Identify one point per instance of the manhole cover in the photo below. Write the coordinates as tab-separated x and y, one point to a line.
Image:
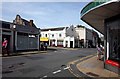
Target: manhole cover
92	74
5	72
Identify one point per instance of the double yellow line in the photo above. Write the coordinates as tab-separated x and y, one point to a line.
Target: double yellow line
73	62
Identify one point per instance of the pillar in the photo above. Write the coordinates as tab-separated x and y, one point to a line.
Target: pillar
0	41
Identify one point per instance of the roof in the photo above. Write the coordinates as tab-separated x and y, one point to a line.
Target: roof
27	22
20	28
53	29
97	14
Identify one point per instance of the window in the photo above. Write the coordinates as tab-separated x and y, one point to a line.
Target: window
60	35
5	25
52	35
114	42
45	35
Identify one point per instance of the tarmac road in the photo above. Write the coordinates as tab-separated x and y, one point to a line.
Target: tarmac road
54	63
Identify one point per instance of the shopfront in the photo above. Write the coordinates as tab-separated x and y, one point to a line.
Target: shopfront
107	23
112	61
44	40
7	33
19	37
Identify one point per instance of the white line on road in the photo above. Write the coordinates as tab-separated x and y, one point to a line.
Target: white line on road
55	51
56	71
45	76
66	68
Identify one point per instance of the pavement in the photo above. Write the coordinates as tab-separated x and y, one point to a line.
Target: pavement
37	52
94	68
29	52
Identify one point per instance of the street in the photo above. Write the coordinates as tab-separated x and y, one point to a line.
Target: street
54	63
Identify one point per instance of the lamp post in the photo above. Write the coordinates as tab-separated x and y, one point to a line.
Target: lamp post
49	37
0	40
39	35
14	37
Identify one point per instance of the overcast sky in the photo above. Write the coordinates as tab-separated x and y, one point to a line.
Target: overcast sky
45	14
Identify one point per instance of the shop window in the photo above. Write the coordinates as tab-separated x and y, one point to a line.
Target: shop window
114	42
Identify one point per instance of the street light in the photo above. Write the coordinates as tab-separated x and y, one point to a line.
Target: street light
39	35
14	26
14	41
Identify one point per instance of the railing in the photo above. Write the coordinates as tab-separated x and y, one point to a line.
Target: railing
92	5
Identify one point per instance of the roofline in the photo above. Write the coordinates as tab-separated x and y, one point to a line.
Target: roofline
52	28
95	7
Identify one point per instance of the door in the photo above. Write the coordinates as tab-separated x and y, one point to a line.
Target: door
71	44
8	37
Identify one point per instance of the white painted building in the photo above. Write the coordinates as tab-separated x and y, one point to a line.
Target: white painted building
61	36
87	37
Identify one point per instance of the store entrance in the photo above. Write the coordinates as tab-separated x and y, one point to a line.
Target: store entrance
8	39
114	44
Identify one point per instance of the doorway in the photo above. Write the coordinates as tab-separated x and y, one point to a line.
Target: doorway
71	44
9	41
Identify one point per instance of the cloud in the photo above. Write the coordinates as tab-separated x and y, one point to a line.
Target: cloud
27	9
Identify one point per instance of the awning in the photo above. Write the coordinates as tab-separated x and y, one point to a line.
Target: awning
44	39
95	17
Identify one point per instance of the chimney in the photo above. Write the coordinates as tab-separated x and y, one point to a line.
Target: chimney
31	22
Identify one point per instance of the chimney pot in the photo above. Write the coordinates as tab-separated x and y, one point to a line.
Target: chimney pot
31	22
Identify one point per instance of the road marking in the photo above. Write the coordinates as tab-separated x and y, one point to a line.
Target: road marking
70	69
45	76
73	62
73	73
55	51
66	68
56	71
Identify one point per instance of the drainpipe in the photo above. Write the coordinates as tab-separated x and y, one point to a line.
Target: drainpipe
14	38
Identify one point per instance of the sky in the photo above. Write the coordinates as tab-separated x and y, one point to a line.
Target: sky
45	14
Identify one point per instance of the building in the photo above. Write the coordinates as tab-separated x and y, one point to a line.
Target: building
87	37
21	34
60	37
105	17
